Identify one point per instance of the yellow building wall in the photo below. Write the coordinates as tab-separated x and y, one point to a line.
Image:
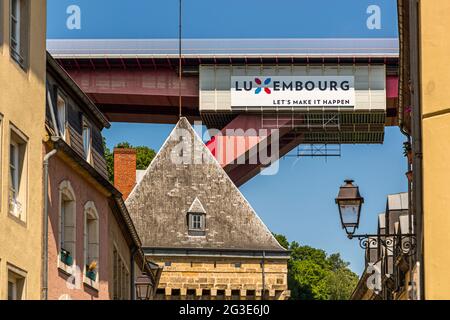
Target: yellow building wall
22	103
435	95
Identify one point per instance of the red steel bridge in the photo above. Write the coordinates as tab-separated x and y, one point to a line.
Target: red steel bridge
137	81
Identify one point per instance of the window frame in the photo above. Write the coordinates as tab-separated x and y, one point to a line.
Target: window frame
17	277
193	222
20	142
19	23
66	191
88	152
2	26
14	165
16	20
61	121
91	211
1	153
121	276
13	281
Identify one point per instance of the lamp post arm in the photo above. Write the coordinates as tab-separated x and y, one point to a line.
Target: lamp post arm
406	242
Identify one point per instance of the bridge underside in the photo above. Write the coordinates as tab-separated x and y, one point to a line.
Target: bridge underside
147	91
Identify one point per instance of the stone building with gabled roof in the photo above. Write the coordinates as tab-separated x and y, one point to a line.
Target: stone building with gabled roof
194	221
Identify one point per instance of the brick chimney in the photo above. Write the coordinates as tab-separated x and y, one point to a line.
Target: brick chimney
124	170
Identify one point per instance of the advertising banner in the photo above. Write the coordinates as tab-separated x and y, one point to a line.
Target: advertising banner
292	91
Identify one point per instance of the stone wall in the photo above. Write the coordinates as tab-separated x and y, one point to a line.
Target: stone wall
221	278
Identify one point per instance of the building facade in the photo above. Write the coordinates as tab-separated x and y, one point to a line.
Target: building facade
194	221
389	255
22	114
93	247
425	100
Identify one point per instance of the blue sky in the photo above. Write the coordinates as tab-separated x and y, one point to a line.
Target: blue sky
222	18
299	200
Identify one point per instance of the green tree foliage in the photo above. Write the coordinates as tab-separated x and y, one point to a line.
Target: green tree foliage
312	275
109	161
144	155
282	240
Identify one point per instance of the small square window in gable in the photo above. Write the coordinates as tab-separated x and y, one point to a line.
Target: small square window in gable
196	219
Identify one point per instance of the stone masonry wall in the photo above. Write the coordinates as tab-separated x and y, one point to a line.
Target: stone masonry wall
221	278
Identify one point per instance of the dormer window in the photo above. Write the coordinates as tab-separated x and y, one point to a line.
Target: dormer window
196	219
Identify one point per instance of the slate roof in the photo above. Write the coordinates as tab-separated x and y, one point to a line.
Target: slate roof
159	203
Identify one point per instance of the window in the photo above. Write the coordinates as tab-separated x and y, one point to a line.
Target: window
116	281
197	223
91	241
13	169
1	24
220	295
196	218
12	289
17	175
176	294
61	109
87	142
235	295
19	21
206	294
67	224
1	150
121	277
16	283
160	294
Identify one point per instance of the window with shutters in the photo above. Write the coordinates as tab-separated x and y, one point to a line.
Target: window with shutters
19	31
115	274
67	226
91	244
18	174
121	277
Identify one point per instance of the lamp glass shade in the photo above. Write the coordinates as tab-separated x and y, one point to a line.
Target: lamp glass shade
349	202
143	286
350	212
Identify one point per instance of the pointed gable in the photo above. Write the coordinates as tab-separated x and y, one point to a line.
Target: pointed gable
185	177
196	207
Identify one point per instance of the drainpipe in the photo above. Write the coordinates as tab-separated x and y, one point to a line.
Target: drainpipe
45	231
415	187
132	275
417	135
263	275
45	209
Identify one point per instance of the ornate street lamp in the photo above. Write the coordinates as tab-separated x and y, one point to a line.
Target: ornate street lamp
349	202
143	286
